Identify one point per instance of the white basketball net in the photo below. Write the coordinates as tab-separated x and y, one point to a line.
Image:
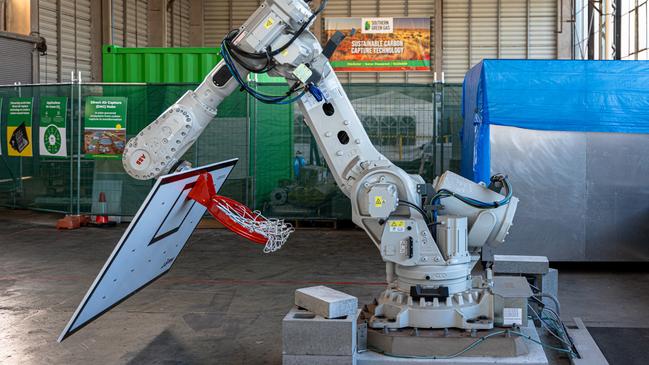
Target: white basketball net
276	230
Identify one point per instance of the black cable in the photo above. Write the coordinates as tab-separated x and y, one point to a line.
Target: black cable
269	53
417	208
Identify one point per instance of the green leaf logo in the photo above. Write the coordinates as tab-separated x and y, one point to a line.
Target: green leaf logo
368	25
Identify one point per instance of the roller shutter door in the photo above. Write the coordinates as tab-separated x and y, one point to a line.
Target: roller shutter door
20	67
47	23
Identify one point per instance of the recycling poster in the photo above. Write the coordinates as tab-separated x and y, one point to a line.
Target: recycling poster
105	126
19	127
52	127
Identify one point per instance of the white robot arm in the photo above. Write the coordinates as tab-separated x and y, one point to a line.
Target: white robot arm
429	256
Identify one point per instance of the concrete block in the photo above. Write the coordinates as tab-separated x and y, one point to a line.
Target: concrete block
549	284
519	264
305	333
318	360
534	356
326	302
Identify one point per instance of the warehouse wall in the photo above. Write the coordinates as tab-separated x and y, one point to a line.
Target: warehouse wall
130	23
470	30
65	25
463	31
178	23
68	31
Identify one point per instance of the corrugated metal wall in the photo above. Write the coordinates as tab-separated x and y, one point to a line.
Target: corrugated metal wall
130	23
478	29
178	23
65	25
221	16
48	25
472	30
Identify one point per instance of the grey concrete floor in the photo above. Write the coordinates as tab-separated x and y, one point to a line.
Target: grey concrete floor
223	301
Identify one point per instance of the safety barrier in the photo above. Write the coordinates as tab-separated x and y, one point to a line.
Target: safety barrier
280	169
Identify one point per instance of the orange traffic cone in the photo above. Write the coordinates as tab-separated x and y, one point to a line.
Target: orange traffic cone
102	218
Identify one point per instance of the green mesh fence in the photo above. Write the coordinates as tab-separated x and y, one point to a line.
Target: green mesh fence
280	171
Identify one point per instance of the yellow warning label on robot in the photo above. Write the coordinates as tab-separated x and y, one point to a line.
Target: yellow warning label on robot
397	226
269	23
378	201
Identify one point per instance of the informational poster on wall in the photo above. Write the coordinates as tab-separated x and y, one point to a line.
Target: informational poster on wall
381	44
105	126
52	126
19	127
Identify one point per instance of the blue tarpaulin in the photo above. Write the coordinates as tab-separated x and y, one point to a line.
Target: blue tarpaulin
558	95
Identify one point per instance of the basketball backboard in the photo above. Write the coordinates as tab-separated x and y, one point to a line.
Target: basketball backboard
150	244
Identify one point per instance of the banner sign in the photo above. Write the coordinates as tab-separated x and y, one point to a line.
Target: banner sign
381	44
105	126
19	127
53	115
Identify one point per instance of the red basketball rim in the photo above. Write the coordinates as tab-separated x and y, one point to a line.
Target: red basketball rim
218	213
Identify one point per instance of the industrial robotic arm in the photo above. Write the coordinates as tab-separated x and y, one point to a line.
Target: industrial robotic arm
429	235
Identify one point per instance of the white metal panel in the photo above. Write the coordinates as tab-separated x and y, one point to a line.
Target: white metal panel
455	39
513	29
484	30
543	24
47	23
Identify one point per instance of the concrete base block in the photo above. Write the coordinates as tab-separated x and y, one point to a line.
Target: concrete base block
305	333
535	356
326	302
318	360
549	283
519	264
